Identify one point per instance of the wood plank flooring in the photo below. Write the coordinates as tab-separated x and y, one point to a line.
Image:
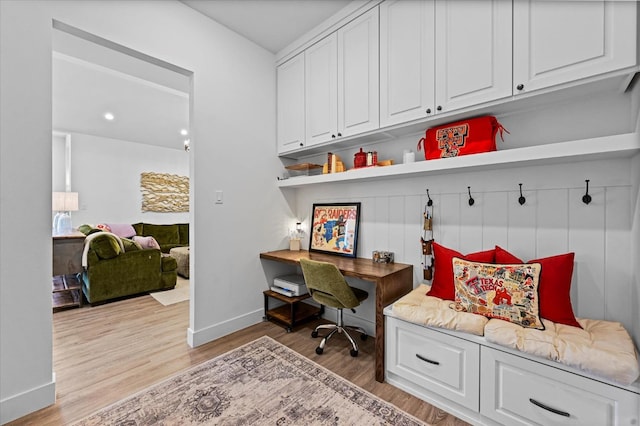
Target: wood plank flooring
102	354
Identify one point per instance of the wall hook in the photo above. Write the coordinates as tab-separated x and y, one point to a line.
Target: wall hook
430	202
471	200
586	198
521	200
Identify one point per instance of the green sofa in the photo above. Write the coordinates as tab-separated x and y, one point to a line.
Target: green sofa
167	236
111	272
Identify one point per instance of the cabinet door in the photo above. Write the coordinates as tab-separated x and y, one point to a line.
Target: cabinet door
290	114
406	60
473	52
516	391
560	41
321	90
358	75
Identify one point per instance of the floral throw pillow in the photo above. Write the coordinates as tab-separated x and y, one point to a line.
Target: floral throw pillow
505	291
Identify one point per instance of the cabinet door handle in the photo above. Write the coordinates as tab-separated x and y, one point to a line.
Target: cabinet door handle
546	407
428	110
439	108
520	86
333	136
339	134
430	361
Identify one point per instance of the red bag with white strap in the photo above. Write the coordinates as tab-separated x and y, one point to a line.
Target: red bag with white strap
465	137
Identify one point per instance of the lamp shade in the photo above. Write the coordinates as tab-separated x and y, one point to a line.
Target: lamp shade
64	202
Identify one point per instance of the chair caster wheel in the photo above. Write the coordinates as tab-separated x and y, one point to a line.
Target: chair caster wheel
354	353
319	350
314	334
363	337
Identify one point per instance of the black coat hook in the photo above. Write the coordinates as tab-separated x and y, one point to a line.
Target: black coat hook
430	202
521	200
586	198
471	200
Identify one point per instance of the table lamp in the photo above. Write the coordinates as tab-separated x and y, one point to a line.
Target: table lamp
63	203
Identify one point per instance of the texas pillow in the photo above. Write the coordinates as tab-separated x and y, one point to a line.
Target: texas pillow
442	285
554	287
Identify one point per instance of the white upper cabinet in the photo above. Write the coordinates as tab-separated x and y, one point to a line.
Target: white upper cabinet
407	52
342	81
556	42
290	95
321	83
358	79
438	56
473	52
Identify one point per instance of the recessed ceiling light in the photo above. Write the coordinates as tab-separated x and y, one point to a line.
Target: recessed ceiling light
109	116
184	132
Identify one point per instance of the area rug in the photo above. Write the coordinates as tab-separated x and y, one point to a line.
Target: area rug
260	383
179	293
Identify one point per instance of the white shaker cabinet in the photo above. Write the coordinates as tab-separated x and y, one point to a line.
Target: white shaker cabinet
342	81
358	75
473	52
438	56
290	108
557	42
407	52
321	84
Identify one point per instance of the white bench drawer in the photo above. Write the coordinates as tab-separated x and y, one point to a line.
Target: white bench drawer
435	361
520	392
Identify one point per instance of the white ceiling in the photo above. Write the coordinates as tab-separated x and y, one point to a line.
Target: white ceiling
150	103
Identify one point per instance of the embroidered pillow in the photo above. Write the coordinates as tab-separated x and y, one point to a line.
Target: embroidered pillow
505	291
442	284
555	285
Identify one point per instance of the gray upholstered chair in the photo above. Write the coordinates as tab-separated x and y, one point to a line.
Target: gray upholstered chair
328	287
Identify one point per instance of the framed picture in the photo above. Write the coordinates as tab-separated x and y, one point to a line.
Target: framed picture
334	228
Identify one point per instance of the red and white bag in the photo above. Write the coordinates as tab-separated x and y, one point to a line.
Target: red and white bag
465	137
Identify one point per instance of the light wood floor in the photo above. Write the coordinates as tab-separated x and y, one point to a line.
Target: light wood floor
102	354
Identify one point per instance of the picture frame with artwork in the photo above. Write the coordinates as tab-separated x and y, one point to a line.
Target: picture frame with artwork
334	228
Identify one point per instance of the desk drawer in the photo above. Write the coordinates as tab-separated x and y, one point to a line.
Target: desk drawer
516	391
435	361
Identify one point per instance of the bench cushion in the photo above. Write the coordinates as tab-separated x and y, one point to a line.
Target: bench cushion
420	309
602	348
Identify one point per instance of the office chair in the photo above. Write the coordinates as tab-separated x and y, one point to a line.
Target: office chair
328	287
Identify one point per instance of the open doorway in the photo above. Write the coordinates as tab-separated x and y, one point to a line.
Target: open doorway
119	115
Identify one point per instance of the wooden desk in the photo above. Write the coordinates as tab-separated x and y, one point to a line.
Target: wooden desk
393	280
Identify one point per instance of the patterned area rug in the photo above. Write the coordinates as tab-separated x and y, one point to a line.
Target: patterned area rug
260	383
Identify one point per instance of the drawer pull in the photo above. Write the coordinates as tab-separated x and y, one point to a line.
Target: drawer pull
545	407
421	358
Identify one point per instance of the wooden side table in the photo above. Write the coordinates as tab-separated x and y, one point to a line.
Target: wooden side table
67	270
293	312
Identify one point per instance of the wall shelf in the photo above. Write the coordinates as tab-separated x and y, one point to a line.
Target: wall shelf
616	146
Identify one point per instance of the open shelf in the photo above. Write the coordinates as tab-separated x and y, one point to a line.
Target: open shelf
617	146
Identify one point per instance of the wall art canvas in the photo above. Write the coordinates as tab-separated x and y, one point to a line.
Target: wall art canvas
165	193
334	228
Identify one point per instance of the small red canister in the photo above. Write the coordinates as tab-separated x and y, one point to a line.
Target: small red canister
360	159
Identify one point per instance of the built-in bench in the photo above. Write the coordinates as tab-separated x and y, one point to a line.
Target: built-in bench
489	371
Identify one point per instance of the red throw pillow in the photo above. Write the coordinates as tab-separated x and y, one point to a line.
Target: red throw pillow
442	285
555	285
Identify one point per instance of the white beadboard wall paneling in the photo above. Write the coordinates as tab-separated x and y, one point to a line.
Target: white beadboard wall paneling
618	278
553	220
411	252
586	233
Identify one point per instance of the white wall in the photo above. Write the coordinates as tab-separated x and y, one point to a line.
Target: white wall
232	130
106	175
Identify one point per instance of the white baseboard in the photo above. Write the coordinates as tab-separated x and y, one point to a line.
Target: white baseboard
213	332
19	405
